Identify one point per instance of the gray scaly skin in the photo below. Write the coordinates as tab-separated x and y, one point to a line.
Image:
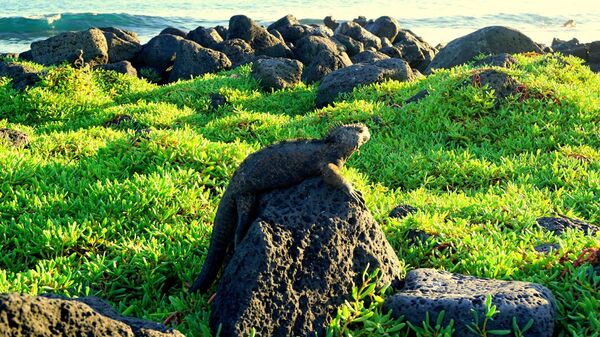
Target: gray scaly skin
280	165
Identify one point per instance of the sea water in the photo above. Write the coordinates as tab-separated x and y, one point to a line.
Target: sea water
437	21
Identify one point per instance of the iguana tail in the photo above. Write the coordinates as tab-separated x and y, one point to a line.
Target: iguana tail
222	237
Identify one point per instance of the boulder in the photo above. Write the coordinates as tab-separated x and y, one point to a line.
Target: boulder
351	46
488	40
431	291
308	47
223	31
358	33
560	225
123	67
414	49
362	21
393	51
344	80
238	51
503	60
122	45
14	137
49	316
277	73
206	37
26	56
194	60
502	84
174	31
402	211
22	76
263	42
66	47
330	22
325	63
594	56
159	53
305	250
369	56
385	26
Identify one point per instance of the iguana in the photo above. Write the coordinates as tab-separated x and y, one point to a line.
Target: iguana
280	165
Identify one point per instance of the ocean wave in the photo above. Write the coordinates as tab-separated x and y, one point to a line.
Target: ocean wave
39	26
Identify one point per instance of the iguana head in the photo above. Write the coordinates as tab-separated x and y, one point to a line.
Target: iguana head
348	138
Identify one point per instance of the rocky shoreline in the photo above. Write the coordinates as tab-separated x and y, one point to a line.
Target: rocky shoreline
284	53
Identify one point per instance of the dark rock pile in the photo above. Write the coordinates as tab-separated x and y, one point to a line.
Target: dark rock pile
589	52
48	316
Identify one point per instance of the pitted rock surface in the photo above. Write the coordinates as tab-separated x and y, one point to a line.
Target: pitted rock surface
414	49
402	211
194	60
50	316
22	76
14	137
277	73
122	45
358	33
159	53
429	290
369	56
323	64
502	84
560	225
503	60
345	79
123	67
488	40
66	46
305	250
206	37
263	42
385	26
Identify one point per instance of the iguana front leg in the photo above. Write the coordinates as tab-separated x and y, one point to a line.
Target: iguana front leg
332	176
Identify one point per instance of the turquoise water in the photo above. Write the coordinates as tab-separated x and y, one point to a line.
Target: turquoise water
24	21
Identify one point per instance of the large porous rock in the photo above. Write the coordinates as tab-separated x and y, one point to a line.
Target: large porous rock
122	45
206	37
385	26
289	27
263	42
503	60
330	22
369	56
358	33
560	225
123	67
238	51
488	40
305	250
22	76
49	316
66	47
14	137
429	290
503	85
323	64
344	80
194	60
277	73
351	46
307	48
414	49
159	53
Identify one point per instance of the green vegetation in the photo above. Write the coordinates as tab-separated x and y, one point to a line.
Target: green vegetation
100	209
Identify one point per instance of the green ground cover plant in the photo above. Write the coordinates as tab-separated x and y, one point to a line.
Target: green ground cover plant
90	207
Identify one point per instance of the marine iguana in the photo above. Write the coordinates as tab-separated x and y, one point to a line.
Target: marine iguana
280	165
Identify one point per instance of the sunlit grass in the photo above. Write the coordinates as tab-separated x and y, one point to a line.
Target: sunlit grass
90	208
